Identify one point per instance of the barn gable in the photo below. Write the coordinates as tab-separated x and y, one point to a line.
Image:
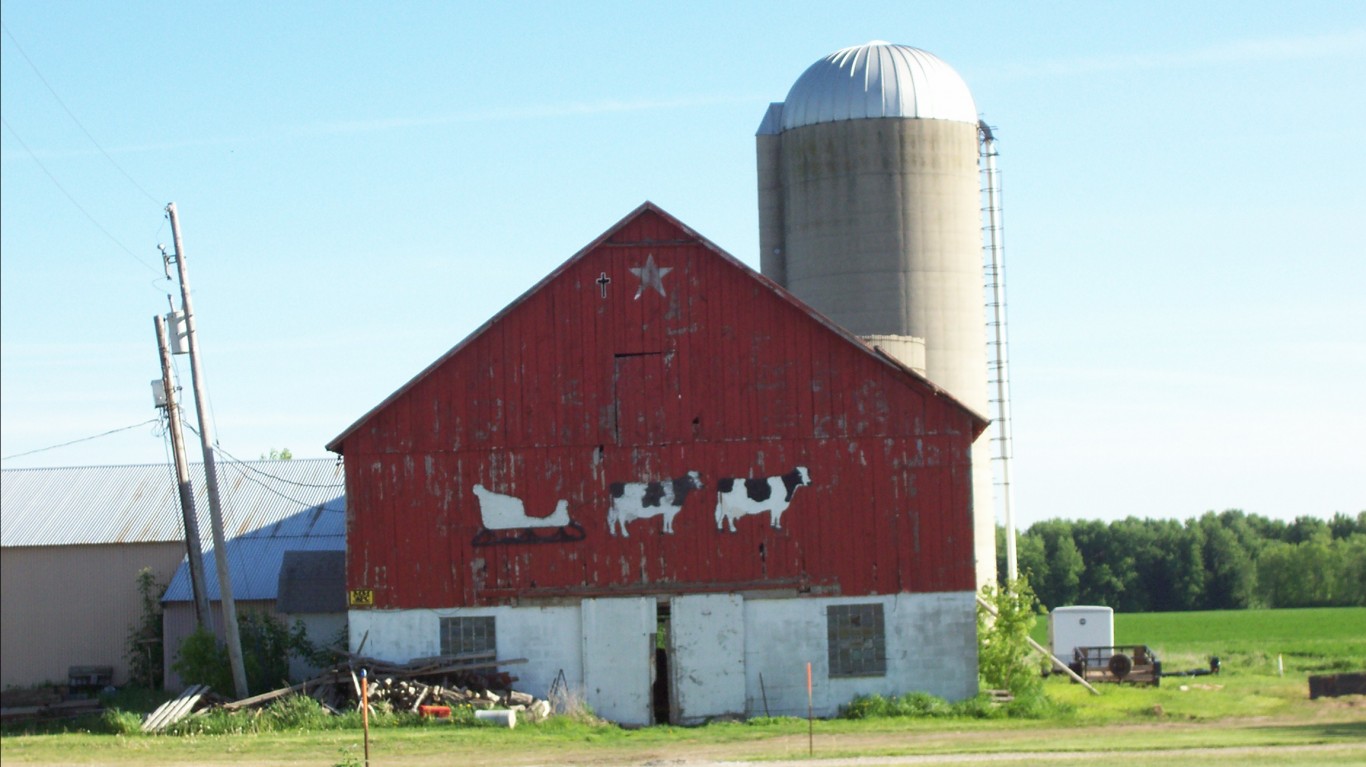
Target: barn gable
518	466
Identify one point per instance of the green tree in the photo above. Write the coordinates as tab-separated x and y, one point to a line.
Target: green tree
1230	577
145	638
1354	570
1109	563
1305	529
1033	560
1061	585
1344	527
1003	639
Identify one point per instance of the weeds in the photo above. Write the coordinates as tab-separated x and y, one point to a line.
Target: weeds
119	722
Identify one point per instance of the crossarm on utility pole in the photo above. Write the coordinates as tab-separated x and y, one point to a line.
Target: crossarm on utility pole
1039	649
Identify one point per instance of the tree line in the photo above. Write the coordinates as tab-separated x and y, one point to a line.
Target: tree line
1224	561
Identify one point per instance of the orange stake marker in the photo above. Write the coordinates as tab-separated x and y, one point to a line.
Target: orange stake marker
810	726
365	712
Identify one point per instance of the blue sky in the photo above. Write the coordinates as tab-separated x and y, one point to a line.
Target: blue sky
361	185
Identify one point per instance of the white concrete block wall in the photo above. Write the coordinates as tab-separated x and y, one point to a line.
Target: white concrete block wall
931	647
548	637
781	636
932	644
396	636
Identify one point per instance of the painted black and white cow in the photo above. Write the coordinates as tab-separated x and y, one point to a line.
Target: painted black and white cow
737	497
638	500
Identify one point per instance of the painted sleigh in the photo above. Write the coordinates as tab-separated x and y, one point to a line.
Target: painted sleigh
506	521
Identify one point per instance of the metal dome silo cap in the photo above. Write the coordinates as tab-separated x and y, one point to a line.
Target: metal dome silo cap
874	80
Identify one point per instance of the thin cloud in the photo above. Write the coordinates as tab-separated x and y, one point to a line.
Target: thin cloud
387	124
547	111
1348	43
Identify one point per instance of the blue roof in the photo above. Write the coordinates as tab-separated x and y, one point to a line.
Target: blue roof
255	558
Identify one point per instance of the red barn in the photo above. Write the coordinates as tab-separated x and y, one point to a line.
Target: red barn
662	475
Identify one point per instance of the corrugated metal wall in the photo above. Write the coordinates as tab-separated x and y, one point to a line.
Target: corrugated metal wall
594	378
73	606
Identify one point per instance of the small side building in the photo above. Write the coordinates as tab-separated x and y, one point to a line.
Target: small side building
72	543
661	478
73	540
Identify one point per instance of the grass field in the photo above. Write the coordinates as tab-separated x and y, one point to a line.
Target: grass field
1313	640
1248	715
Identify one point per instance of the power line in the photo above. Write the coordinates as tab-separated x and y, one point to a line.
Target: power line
263	473
82	439
238	465
247	465
79	207
72	115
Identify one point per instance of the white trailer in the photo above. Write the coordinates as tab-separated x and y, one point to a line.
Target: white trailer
1080	626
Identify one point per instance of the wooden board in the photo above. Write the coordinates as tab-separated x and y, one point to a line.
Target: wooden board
174	710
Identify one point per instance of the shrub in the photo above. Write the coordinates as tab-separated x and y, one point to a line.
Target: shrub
1003	639
201	660
267	645
913	704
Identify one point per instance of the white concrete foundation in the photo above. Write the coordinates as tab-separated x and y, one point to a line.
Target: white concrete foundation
728	654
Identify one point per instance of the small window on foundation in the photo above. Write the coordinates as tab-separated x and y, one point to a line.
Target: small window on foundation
468	636
857	640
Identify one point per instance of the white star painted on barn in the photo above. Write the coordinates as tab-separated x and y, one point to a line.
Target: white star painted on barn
651	276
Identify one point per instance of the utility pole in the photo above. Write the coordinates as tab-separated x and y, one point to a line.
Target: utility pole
182	475
239	674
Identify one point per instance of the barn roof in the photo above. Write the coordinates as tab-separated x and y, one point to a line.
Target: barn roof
337	444
94	505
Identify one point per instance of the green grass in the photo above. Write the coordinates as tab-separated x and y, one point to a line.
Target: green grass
1310	640
1135	741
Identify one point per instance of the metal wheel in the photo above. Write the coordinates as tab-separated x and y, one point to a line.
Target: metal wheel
1120	665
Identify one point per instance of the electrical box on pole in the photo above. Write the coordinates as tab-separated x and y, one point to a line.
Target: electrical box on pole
178	333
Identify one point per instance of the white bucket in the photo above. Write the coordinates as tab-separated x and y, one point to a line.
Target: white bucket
499	717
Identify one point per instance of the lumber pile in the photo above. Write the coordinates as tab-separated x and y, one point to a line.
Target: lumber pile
448	680
43	703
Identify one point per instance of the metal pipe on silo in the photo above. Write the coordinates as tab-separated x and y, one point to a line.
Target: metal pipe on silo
1000	362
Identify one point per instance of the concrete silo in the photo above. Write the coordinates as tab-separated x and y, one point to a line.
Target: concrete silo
870	211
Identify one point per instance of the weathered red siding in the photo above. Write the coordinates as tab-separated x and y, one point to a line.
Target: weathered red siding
568	391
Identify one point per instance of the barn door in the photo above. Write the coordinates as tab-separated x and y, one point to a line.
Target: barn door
707	656
619	658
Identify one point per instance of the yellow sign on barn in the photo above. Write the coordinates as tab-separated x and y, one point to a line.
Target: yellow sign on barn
362	597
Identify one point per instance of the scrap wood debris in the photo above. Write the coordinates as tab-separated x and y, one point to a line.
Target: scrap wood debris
43	703
447	680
